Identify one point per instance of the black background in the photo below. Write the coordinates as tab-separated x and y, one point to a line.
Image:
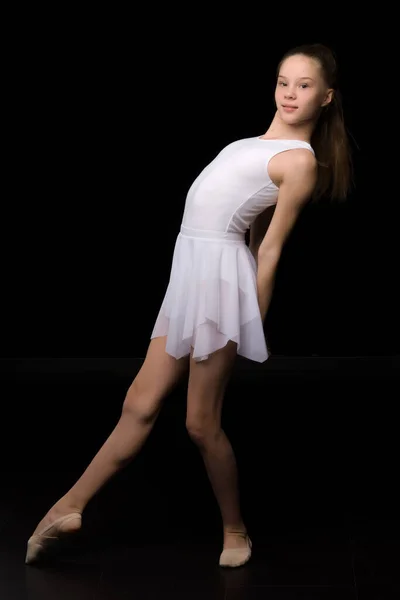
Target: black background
112	113
113	118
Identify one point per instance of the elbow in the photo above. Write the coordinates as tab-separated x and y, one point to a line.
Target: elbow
270	254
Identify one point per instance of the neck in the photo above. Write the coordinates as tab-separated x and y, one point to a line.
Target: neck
279	129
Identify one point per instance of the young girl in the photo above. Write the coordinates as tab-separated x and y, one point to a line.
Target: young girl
220	289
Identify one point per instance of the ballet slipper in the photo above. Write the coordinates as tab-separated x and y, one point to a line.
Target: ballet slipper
39	542
236	557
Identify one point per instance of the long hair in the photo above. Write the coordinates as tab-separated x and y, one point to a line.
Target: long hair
329	139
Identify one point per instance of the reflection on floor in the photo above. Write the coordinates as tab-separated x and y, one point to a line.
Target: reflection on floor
317	449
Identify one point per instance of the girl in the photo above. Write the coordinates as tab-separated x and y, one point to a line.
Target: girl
220	289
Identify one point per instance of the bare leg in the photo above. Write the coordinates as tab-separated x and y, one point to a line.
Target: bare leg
207	383
157	377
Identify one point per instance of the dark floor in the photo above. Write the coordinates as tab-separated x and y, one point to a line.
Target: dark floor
318	454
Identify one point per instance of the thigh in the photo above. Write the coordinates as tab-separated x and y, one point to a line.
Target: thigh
207	383
157	377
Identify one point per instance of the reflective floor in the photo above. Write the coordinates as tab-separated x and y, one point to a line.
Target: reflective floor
318	461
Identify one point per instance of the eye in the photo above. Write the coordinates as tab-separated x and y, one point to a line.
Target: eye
281	83
304	85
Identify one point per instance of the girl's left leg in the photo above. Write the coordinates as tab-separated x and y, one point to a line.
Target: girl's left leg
206	388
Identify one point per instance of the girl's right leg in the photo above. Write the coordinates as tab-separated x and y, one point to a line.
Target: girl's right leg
157	377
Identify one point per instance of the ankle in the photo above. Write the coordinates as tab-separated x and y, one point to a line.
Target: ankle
69	505
235	529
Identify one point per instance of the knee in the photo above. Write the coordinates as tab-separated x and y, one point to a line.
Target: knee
139	406
202	430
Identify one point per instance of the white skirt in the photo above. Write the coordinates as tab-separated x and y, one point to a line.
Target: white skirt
211	297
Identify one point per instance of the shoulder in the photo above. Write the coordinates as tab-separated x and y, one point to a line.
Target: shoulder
298	161
299	175
294	166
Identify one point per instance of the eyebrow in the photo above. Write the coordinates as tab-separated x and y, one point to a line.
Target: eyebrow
299	77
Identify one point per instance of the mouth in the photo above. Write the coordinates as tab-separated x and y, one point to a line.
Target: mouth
288	107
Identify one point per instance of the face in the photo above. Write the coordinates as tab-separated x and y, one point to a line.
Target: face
301	90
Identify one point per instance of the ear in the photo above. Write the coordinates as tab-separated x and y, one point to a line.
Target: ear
328	98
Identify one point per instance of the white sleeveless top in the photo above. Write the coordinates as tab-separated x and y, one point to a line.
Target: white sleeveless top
235	187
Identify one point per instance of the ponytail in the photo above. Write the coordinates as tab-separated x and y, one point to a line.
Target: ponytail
332	149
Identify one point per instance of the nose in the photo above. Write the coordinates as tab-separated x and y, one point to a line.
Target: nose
289	93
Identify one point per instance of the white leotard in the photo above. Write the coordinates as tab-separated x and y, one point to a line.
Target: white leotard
235	187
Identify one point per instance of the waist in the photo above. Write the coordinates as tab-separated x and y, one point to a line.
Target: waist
214	236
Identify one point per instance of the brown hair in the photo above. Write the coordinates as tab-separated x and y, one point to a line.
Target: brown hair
329	139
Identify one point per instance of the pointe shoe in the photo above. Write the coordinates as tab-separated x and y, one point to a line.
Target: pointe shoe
236	557
38	542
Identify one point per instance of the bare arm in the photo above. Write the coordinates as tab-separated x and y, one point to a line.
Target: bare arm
297	183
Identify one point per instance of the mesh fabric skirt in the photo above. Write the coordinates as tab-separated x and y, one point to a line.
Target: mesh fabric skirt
211	297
